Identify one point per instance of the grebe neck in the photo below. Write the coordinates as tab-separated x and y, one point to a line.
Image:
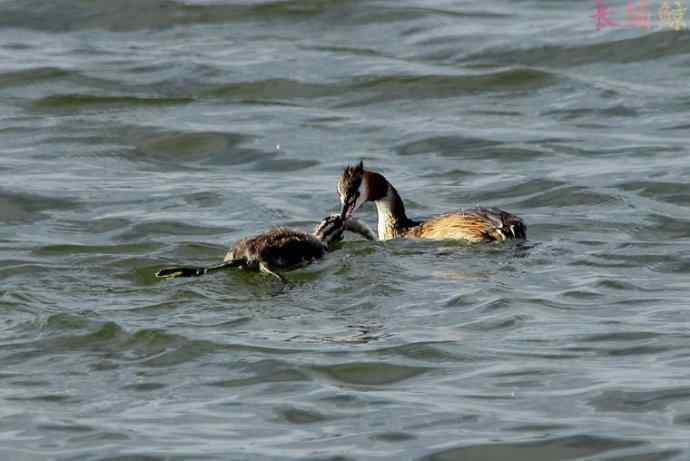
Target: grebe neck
393	222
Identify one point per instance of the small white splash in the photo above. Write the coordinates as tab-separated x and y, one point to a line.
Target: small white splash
277	146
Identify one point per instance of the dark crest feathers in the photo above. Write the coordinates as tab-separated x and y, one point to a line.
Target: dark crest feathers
355	170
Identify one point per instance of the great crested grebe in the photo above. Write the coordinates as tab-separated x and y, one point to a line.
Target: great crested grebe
279	248
357	185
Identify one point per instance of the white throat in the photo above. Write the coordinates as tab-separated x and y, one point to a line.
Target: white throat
385	216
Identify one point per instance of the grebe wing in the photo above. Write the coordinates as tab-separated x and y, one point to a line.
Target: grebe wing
474	225
505	224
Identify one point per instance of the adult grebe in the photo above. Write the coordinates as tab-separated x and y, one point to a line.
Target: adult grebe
279	248
357	185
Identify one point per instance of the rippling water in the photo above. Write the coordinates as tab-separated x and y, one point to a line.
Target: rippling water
138	134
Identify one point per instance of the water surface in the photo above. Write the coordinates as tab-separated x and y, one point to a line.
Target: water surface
137	135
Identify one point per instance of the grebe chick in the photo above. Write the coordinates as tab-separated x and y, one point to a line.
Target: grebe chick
279	248
357	186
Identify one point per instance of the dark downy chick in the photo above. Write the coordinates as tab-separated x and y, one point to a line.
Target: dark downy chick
279	249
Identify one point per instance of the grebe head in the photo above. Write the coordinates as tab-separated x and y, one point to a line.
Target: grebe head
330	229
357	185
351	190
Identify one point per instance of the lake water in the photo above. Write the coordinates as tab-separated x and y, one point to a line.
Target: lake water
139	134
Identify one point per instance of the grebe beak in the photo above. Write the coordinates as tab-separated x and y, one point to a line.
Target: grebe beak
349	207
